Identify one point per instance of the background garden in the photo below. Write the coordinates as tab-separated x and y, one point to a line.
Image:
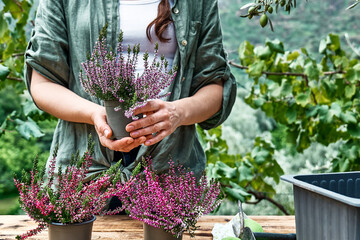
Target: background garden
297	109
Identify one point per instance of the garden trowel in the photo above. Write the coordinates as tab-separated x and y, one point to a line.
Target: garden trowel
242	232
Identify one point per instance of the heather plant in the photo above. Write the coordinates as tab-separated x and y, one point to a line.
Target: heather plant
173	200
64	197
109	75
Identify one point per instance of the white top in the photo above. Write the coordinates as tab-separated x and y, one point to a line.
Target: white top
135	16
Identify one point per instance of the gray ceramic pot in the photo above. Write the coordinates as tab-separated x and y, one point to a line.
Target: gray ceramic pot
75	231
116	120
152	233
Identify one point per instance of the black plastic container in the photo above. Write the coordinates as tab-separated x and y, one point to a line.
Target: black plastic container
327	206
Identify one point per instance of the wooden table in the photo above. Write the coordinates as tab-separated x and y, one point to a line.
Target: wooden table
123	227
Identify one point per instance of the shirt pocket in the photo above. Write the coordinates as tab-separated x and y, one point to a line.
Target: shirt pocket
192	42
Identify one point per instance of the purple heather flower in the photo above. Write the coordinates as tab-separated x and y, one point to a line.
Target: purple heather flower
172	201
109	75
66	199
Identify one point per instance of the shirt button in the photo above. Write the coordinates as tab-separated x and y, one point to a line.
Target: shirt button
184	43
176	10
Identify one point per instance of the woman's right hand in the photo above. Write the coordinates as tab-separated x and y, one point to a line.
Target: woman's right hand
104	132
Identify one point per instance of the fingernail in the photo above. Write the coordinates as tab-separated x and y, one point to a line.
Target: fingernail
135	134
106	133
147	142
130	128
130	141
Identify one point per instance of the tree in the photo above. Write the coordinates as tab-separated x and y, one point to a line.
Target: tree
264	8
15	24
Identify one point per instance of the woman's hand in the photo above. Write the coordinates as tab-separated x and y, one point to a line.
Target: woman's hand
161	119
104	132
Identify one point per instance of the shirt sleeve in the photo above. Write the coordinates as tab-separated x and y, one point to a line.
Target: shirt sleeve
211	64
47	50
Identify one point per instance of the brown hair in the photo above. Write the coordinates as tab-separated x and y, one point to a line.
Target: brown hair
161	22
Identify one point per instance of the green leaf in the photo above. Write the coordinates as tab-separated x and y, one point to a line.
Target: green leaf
247	6
274	89
246	53
236	192
263	52
245	173
258	102
333	42
225	170
256	69
304	142
352	75
293	56
260	155
276	46
311	70
348	117
322	46
344	165
303	99
324	114
4	72
28	128
268	108
341	62
304	51
3	26
312	111
354	130
353	5
286	88
291	115
13	8
350	91
335	109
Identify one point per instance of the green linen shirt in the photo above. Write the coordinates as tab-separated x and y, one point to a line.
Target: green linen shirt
66	30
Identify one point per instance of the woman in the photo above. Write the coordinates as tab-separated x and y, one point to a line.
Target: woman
203	91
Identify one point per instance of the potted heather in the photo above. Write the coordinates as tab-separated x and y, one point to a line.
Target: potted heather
62	201
169	203
111	77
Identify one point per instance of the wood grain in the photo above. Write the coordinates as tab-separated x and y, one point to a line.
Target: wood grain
123	227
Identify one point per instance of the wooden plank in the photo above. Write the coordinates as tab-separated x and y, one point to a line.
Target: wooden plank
123	227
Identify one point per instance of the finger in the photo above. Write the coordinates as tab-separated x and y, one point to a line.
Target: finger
102	128
154	128
157	138
137	142
151	106
148	121
116	144
149	136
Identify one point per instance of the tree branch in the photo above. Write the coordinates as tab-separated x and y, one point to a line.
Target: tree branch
261	196
15	79
303	75
275	73
14	55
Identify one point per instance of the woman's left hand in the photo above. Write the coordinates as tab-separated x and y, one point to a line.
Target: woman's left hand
161	119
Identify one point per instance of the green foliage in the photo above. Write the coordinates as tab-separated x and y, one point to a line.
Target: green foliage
17	153
266	7
240	175
304	27
315	101
20	112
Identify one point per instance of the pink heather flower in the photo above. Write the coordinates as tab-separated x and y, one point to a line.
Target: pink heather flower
172	201
66	199
108	75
